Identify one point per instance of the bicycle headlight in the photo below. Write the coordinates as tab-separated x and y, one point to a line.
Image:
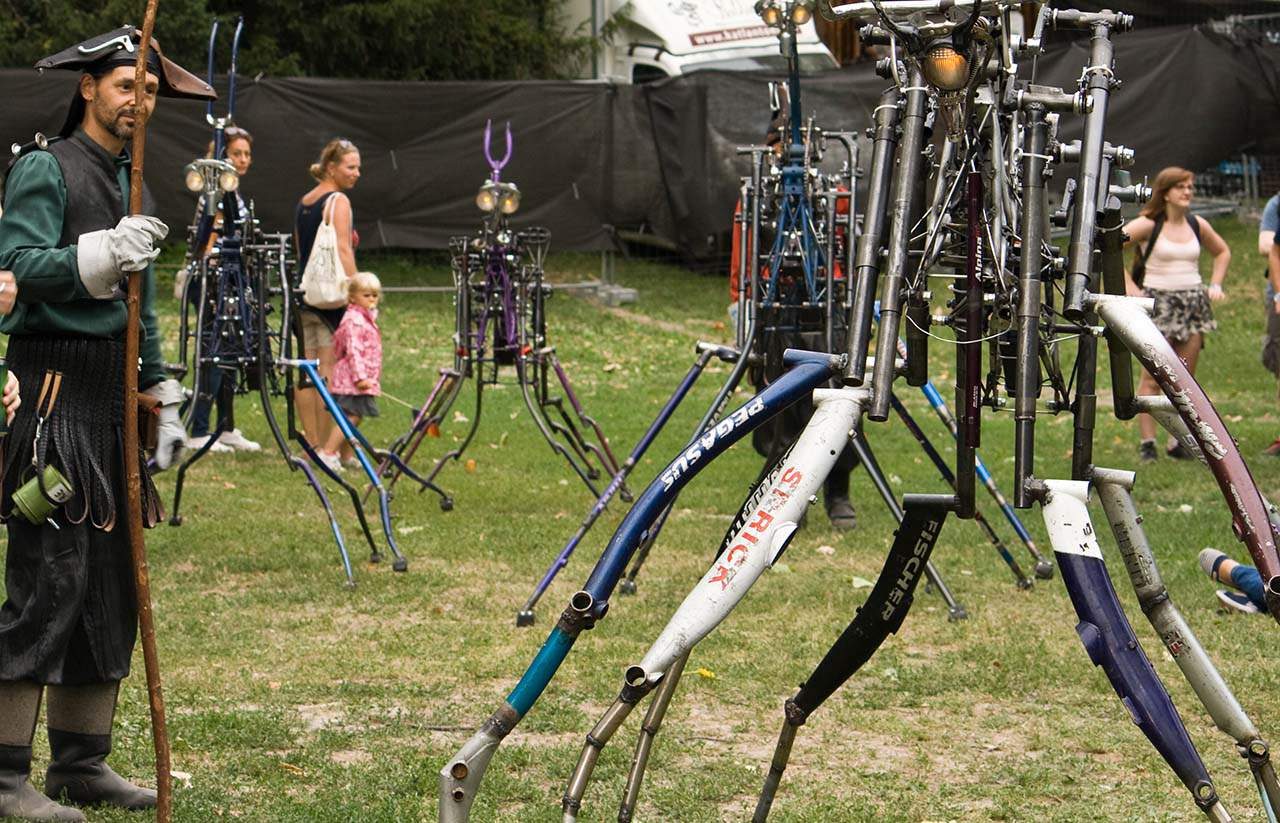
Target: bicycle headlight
945	68
228	180
193	178
802	12
769	12
487	197
509	202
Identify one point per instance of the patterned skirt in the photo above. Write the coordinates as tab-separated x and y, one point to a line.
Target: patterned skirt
1180	313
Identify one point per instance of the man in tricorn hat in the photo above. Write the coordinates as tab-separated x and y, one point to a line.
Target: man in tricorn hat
68	626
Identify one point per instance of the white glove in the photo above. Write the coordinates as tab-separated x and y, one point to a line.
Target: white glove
172	437
104	257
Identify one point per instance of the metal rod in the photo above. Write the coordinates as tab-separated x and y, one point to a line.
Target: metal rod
1027	390
865	275
910	158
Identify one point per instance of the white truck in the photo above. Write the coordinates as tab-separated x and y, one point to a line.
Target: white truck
656	39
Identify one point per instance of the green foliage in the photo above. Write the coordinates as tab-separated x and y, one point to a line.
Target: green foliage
381	39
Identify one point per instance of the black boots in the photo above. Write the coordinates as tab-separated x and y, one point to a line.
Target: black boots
19	707
80	719
79	774
18	798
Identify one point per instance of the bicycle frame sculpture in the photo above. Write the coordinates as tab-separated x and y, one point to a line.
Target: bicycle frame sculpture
230	330
972	226
982	227
231	324
501	321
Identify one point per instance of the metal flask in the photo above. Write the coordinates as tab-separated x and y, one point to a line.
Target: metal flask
36	506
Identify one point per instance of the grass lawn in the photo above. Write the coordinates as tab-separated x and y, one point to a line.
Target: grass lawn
294	699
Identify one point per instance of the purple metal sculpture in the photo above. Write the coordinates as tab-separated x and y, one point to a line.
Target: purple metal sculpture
501	321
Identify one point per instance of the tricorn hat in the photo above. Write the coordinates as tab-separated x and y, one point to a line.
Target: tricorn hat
102	53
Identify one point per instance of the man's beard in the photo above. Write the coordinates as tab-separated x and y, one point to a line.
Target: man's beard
113	125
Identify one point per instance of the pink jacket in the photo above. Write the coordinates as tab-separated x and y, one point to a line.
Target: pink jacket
357	350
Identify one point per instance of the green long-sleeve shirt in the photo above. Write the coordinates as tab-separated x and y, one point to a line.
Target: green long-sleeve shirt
51	298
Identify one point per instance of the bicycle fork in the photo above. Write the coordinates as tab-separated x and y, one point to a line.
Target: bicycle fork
1109	639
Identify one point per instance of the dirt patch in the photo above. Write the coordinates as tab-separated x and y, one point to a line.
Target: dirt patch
351	757
319	716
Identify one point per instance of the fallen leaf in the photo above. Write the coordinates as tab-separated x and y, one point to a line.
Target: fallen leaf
470	465
827	550
861	582
227	485
707	673
289	767
1185	508
459	417
611	367
409	529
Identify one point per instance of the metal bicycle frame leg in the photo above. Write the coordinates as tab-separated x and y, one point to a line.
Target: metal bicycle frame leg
434	408
525	616
760	533
1110	642
358	445
1128	318
955	611
881	615
710	416
1115	491
461	776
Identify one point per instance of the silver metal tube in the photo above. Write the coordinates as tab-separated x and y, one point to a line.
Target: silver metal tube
1084	219
910	156
1228	715
648	731
597	739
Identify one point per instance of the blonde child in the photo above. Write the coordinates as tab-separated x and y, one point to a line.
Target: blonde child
357	351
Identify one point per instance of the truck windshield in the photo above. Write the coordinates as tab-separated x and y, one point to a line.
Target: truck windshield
809	63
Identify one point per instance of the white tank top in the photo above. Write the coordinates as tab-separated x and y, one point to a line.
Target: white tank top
1173	265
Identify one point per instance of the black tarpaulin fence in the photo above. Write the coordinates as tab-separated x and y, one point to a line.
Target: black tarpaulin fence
660	159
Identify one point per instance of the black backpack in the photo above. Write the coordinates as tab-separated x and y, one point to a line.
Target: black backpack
1140	265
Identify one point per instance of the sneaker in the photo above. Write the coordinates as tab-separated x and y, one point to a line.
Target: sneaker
1179	452
1147	451
1274	449
196	443
352	462
1236	602
331	460
235	440
1210	560
841	514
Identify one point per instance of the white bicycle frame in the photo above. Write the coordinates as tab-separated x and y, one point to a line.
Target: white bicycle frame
765	525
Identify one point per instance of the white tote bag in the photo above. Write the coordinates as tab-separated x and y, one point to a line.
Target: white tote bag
324	281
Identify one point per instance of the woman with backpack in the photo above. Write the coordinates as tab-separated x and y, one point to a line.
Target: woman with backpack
1169	241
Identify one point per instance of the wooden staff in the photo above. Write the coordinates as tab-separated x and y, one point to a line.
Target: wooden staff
133	469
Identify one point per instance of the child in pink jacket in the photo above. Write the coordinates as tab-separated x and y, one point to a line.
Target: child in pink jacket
357	352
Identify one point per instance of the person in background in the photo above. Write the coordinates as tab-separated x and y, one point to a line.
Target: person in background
336	172
1248	597
357	368
237	150
1271	299
1169	242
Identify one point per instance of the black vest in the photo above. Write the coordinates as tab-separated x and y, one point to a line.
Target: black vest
94	198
